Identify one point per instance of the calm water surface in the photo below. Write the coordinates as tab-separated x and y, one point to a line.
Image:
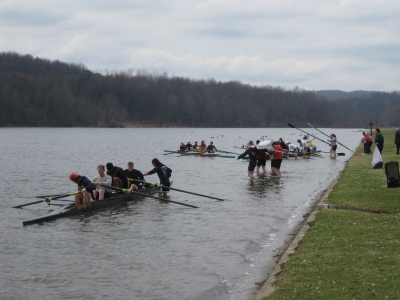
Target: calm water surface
145	249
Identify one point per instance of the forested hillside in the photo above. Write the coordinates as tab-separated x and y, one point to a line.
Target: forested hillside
39	92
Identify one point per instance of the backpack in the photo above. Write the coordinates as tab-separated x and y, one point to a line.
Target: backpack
169	171
392	174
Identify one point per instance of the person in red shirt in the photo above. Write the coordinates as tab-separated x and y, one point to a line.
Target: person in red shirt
367	143
276	161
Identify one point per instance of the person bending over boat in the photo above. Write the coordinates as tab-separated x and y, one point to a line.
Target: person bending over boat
313	147
284	147
133	176
252	152
85	187
305	145
118	176
262	157
102	192
164	173
293	149
276	161
367	143
211	148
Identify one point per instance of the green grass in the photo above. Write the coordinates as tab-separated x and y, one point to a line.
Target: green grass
350	254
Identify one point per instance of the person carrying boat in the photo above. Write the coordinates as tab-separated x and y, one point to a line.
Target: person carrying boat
211	148
293	149
276	160
118	176
102	192
133	176
164	173
85	187
262	157
252	152
189	146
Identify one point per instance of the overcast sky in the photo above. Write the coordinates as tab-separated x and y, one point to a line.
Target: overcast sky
312	44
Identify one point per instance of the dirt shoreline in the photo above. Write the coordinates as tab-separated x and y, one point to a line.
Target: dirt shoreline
268	286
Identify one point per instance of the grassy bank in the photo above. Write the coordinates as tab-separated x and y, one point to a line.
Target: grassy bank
350	253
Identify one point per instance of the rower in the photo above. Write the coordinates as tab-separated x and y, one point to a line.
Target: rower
182	147
196	146
118	176
135	176
211	148
189	146
102	192
203	146
85	187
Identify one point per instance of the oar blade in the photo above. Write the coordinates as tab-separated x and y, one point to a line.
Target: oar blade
26	204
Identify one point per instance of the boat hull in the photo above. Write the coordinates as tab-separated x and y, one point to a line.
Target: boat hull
72	209
201	154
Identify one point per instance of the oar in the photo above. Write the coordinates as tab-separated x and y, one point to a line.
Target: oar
46	199
159	185
144	195
229	152
45	196
338	154
329	136
291	125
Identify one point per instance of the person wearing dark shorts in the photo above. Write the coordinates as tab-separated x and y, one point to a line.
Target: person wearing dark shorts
164	173
276	161
252	152
262	157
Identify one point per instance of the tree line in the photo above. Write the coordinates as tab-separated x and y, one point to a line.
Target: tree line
40	92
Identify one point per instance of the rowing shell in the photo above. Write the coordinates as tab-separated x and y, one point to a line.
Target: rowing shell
200	154
72	209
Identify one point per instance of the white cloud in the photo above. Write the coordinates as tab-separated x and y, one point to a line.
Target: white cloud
349	44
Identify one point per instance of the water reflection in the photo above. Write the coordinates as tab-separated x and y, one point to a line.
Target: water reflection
264	185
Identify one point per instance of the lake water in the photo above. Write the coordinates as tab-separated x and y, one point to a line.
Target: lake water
147	249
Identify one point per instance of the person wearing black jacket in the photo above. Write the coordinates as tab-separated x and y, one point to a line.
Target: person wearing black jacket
252	152
397	140
86	188
379	140
118	176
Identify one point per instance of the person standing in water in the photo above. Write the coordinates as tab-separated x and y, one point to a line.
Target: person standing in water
164	173
276	161
252	152
333	146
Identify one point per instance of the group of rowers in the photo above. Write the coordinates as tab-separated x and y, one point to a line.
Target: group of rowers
281	149
110	176
198	148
